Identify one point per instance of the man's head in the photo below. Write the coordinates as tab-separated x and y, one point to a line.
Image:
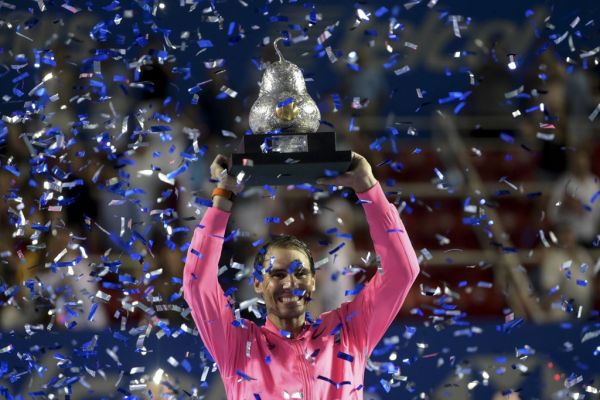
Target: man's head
288	276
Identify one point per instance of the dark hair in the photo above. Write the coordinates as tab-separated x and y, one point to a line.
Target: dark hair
283	242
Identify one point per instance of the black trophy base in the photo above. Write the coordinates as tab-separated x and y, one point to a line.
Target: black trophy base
318	158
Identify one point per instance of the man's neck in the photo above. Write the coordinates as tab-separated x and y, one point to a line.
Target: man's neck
293	325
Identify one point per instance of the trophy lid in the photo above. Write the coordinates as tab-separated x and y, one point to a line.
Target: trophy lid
282	75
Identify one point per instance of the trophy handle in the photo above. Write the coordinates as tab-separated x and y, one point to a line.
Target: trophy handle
281	59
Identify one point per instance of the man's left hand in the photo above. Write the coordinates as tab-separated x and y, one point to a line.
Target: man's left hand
358	177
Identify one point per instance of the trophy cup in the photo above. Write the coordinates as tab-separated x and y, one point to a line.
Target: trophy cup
286	147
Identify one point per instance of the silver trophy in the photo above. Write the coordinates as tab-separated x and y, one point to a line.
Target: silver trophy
283	103
286	147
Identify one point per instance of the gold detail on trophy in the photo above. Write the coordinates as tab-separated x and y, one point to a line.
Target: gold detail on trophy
288	112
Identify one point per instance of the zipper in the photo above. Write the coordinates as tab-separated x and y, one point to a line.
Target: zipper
308	389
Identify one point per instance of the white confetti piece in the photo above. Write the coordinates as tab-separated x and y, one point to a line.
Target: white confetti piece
594	114
166	179
204	374
362	15
289	221
514	93
228	91
137	370
70	8
548	137
590	335
157	377
326	34
574	23
562	37
103	296
590	53
228	134
171	360
7	349
455	26
332	58
401	71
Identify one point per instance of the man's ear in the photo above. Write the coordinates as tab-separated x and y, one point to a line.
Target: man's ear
258	286
313	285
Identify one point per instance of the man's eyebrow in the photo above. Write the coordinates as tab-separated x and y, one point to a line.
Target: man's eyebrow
294	265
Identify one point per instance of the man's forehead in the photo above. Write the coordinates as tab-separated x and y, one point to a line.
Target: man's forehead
297	264
284	255
282	252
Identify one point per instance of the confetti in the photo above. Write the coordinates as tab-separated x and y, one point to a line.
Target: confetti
344	356
104	184
594	114
402	71
228	91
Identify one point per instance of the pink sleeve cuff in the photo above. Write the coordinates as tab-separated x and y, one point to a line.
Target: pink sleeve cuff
374	195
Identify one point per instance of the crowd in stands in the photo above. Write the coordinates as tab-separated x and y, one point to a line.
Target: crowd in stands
128	228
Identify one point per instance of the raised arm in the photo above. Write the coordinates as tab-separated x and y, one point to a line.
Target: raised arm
373	310
210	309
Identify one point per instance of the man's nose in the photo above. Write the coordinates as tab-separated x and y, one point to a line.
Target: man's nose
288	281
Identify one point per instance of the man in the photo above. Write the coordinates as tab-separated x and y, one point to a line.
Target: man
291	357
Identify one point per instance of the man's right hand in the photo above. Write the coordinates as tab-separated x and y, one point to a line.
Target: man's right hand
219	172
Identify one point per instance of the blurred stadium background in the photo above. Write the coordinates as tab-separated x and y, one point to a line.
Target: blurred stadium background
479	119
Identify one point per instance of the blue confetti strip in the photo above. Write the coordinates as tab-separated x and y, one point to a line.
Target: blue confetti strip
286	334
338	247
357	289
196	253
507	138
345	356
386	385
285	102
394	230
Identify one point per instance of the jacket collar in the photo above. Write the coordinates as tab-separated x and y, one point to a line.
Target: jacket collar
270	326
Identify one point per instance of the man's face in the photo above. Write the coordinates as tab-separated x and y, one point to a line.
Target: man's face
287	282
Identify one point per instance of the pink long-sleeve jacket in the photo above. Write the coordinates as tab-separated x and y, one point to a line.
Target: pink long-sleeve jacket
327	359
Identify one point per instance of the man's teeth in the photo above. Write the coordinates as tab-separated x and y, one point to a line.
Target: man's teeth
289	299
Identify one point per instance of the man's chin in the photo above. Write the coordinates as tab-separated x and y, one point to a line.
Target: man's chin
288	314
